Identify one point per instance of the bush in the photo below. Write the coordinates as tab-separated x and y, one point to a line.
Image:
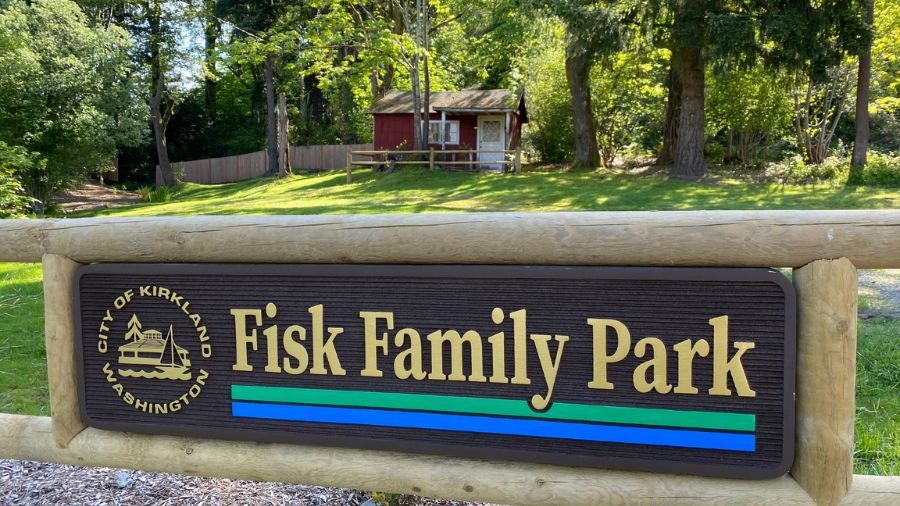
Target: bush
795	170
13	160
882	170
144	192
161	194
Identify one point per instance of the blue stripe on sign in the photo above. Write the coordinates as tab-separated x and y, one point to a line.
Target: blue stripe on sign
492	425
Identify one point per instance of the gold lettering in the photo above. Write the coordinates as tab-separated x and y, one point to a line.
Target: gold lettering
601	359
520	343
271	334
408	362
110	376
242	338
686	354
293	348
498	351
438	338
550	369
657	363
723	366
370	319
324	349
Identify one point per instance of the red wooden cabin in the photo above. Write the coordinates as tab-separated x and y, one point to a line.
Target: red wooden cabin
486	121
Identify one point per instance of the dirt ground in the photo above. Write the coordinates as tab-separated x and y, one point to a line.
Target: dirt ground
94	195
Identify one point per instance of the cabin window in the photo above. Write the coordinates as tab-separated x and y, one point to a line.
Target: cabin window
451	132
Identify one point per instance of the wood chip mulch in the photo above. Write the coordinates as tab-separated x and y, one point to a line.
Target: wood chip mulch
36	483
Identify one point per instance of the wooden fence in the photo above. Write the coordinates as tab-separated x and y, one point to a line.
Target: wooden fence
252	165
823	247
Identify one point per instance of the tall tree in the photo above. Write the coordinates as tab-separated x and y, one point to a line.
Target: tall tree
212	29
690	26
800	35
271	117
666	154
593	29
67	93
162	107
864	78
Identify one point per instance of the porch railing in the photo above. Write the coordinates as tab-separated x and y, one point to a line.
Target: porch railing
512	158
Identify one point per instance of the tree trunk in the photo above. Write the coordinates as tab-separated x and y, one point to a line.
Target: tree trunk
211	34
673	111
271	123
283	156
864	77
578	76
426	97
160	120
689	163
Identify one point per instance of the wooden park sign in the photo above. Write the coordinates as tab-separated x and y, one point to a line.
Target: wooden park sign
677	370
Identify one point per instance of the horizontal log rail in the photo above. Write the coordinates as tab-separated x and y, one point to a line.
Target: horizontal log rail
869	239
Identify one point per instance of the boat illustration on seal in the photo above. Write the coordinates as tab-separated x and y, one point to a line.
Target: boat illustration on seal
154	356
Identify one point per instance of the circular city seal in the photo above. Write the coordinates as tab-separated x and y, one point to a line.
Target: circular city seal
156	346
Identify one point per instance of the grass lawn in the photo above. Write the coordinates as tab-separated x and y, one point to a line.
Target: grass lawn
420	190
23	368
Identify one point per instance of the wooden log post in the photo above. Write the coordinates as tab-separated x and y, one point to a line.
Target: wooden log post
349	166
59	325
826	378
518	160
431	159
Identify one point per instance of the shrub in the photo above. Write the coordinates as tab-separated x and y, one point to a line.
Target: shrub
13	159
161	194
144	192
794	170
882	170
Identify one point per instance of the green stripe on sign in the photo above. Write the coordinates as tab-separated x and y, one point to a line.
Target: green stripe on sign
500	407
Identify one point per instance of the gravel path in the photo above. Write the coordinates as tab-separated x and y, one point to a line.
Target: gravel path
883	289
35	483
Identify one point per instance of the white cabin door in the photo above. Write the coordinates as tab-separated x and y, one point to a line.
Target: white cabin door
491	137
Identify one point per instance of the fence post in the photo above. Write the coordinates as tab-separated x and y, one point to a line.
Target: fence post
431	159
349	166
518	160
826	378
59	325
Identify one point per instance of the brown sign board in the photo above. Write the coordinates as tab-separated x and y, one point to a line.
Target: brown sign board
677	370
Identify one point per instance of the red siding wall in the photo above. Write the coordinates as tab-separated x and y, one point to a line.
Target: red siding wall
391	130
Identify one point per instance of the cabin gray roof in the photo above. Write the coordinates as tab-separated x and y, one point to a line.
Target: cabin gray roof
401	102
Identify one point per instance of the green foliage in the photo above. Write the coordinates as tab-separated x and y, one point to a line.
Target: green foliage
23	369
66	92
882	170
628	100
877	424
161	194
549	131
144	192
13	161
749	110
